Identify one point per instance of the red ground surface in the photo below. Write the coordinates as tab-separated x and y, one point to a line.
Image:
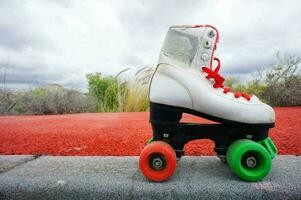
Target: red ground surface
117	134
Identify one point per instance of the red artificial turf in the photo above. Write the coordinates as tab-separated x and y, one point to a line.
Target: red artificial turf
117	134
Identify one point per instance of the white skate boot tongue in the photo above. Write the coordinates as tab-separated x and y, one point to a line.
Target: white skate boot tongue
186	46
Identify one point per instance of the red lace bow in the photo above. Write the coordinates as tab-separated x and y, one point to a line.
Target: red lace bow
219	81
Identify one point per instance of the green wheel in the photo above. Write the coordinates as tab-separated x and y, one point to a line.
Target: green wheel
150	140
248	160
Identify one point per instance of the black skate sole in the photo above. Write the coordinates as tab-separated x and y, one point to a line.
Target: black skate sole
167	127
173	114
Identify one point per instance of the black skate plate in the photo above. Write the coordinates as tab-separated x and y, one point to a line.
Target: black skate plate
167	127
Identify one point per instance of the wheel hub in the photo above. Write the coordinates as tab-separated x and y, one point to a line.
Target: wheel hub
157	162
251	162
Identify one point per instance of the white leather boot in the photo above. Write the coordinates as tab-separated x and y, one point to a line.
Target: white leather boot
186	81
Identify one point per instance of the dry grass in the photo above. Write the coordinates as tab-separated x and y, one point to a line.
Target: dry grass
137	94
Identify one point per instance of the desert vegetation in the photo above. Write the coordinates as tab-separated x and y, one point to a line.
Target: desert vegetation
277	86
105	94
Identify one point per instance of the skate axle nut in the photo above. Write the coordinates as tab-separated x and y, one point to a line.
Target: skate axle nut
157	163
251	162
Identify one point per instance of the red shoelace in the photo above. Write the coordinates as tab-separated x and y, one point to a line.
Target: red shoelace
219	81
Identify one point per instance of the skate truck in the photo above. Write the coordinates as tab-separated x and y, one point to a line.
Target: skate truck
185	81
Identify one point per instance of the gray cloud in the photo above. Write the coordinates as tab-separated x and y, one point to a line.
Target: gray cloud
61	41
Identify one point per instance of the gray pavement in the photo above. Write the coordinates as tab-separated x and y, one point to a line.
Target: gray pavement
119	178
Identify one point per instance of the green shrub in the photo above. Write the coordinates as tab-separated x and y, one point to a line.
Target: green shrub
107	93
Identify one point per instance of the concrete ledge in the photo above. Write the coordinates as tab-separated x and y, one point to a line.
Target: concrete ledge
119	178
9	162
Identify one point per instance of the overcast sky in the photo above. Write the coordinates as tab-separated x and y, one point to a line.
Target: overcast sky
60	41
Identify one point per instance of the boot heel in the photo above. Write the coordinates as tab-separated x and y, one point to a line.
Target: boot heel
163	113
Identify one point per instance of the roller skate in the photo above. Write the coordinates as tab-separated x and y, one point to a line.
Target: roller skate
186	81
